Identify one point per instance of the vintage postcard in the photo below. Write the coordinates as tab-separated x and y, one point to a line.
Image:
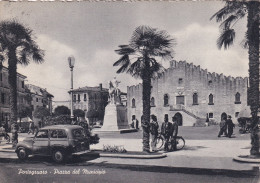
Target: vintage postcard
129	91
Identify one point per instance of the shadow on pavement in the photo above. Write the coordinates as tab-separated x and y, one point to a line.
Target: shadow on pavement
48	160
193	148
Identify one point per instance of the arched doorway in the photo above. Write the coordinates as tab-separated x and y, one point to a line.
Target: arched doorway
223	115
179	118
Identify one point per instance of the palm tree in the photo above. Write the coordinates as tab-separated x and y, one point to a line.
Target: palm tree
229	15
145	46
18	47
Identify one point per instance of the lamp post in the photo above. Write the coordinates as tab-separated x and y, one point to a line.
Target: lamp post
71	61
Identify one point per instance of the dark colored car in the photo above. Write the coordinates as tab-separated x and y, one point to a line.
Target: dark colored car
58	141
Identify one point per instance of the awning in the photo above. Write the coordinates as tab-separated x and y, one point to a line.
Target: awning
245	113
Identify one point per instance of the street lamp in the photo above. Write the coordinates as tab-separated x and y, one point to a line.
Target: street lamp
71	61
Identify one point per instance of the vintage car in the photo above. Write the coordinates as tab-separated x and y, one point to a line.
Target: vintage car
58	141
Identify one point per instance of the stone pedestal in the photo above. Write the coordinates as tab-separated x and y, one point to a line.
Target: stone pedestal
115	118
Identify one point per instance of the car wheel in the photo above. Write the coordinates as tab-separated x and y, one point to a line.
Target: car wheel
22	154
58	156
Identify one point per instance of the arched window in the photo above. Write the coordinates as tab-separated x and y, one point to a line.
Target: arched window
152	102
211	102
210	82
166	100
79	97
237	98
133	103
195	99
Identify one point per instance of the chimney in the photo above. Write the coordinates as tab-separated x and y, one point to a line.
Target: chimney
100	86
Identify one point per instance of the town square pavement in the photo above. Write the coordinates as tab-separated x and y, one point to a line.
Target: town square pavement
214	154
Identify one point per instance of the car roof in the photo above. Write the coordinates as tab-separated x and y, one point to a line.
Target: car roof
61	127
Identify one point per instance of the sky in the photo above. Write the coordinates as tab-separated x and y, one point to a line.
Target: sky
91	31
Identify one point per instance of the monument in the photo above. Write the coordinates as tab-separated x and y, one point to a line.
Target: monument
115	118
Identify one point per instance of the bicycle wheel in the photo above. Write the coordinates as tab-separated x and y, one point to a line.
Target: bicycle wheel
159	143
180	143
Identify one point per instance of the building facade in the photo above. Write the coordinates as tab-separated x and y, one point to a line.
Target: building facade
92	100
40	97
22	94
191	94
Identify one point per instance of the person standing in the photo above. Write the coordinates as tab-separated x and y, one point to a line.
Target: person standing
223	127
31	128
166	131
154	131
175	129
135	122
230	126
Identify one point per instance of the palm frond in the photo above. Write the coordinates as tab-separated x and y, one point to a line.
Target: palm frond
23	58
226	23
156	68
14	34
123	60
37	55
149	40
136	68
165	54
122	69
231	7
244	42
125	50
226	38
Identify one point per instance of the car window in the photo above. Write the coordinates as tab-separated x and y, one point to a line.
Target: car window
58	134
78	133
42	134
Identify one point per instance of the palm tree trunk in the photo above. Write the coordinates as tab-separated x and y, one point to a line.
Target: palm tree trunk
146	107
253	90
12	78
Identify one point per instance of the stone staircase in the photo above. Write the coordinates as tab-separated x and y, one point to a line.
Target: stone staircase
180	107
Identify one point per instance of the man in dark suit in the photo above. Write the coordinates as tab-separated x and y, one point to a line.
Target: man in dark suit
230	126
166	131
175	129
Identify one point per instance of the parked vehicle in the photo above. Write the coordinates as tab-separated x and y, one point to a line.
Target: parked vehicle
58	141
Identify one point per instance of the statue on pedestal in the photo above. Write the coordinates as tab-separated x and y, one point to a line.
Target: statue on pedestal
114	92
115	118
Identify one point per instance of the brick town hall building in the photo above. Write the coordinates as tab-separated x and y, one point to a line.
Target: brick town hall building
191	94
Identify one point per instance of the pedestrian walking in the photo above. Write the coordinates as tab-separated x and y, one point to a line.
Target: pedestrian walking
166	131
174	132
223	127
6	126
31	128
230	126
154	131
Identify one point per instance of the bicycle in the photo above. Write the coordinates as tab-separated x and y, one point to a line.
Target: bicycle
6	136
160	141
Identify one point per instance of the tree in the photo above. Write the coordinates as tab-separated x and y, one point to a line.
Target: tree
229	15
18	47
61	110
145	47
41	113
78	113
24	111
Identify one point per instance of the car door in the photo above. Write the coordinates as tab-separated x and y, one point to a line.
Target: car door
58	137
41	142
